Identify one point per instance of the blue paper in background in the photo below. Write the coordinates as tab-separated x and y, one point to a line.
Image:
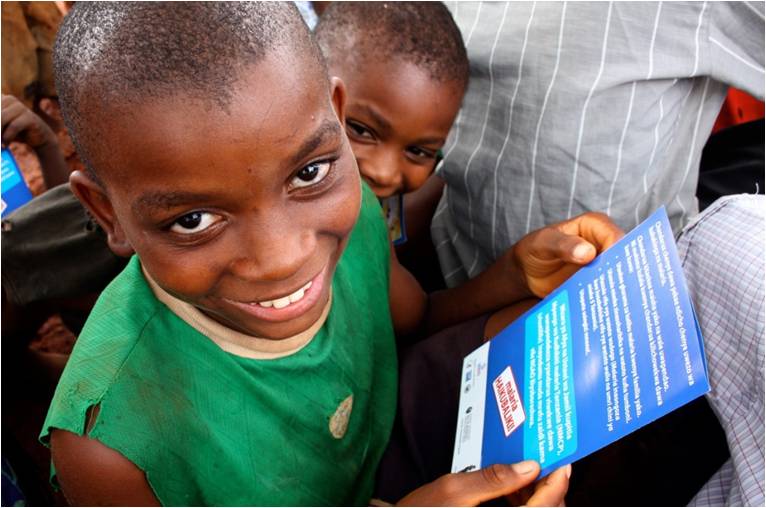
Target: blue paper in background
14	189
630	307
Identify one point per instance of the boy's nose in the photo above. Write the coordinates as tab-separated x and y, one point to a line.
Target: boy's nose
272	254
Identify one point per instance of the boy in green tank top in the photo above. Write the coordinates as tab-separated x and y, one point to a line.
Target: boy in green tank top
246	354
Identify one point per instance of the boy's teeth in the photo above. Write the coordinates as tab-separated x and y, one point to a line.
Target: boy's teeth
281	303
296	296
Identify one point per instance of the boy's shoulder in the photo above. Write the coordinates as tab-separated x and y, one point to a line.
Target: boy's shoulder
110	335
119	317
127	361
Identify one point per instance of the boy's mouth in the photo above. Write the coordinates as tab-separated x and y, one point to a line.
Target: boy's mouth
286	307
281	303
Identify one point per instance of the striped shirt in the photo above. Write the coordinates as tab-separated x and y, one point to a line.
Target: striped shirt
580	106
722	253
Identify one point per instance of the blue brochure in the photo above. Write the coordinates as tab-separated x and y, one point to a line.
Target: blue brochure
613	348
14	189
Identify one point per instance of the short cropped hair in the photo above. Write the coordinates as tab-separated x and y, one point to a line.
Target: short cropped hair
135	51
421	33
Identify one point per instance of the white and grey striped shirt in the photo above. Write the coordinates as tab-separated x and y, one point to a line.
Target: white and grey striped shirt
578	106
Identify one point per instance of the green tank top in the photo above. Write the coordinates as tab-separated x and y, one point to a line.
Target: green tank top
212	428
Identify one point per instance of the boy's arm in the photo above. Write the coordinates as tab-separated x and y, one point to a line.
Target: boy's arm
92	474
534	266
407	300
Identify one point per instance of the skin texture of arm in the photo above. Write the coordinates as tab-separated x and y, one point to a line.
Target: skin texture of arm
92	474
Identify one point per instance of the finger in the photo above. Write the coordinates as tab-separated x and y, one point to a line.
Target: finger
12	111
492	482
553	244
551	490
8	100
519	497
14	128
596	228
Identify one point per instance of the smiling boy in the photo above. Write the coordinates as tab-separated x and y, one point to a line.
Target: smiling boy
405	69
246	354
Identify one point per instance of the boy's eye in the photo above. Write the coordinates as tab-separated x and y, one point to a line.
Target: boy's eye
358	130
193	222
311	174
421	153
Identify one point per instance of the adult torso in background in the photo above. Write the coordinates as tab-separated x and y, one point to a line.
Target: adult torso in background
585	106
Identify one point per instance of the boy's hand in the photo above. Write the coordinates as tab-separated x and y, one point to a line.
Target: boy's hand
20	123
549	256
471	489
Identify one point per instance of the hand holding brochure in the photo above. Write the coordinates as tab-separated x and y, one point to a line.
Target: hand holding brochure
613	348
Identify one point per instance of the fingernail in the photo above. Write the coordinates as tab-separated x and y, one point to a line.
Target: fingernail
568	470
581	251
524	467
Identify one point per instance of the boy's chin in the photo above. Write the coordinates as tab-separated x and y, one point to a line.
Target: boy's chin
283	330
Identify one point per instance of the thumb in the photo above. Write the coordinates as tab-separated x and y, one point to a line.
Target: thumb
576	250
495	481
551	244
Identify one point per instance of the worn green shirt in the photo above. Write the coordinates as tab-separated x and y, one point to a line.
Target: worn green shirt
212	428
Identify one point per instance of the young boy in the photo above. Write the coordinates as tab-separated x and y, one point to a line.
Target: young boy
406	70
246	354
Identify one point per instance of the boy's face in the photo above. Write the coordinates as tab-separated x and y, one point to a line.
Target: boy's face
244	214
397	118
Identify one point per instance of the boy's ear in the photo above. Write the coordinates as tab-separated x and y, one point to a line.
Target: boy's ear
93	196
338	96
